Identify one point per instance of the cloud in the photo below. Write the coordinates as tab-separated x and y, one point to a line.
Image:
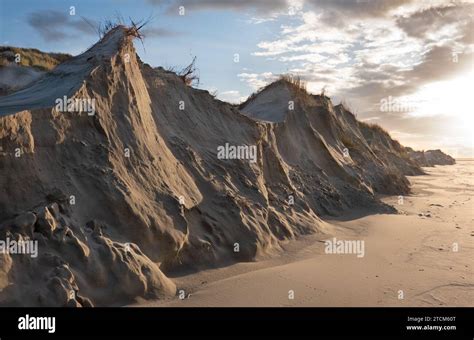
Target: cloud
48	24
158	32
437	65
359	8
260	6
257	80
233	96
431	21
309	37
365	51
339	13
445	22
56	25
371	60
334	12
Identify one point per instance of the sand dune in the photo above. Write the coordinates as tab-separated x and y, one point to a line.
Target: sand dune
125	192
404	252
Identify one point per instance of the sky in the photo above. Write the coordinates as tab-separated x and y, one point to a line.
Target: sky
406	65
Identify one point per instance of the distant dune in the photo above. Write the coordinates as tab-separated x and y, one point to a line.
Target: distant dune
19	67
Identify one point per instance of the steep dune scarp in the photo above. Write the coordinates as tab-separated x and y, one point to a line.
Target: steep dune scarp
114	190
129	182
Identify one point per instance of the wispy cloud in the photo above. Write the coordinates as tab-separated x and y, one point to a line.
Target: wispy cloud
56	25
232	96
259	6
158	32
257	80
386	54
405	50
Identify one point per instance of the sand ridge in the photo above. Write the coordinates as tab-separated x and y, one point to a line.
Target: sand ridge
123	199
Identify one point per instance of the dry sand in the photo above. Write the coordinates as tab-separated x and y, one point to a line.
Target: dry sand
405	251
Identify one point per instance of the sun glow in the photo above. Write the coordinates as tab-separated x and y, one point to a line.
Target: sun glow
451	99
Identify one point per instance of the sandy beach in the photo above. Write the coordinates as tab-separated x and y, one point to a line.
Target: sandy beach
421	256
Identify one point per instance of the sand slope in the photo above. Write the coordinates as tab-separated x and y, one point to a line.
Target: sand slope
125	198
404	252
364	156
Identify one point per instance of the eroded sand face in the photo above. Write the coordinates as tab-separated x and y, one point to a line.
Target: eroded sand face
419	257
116	173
